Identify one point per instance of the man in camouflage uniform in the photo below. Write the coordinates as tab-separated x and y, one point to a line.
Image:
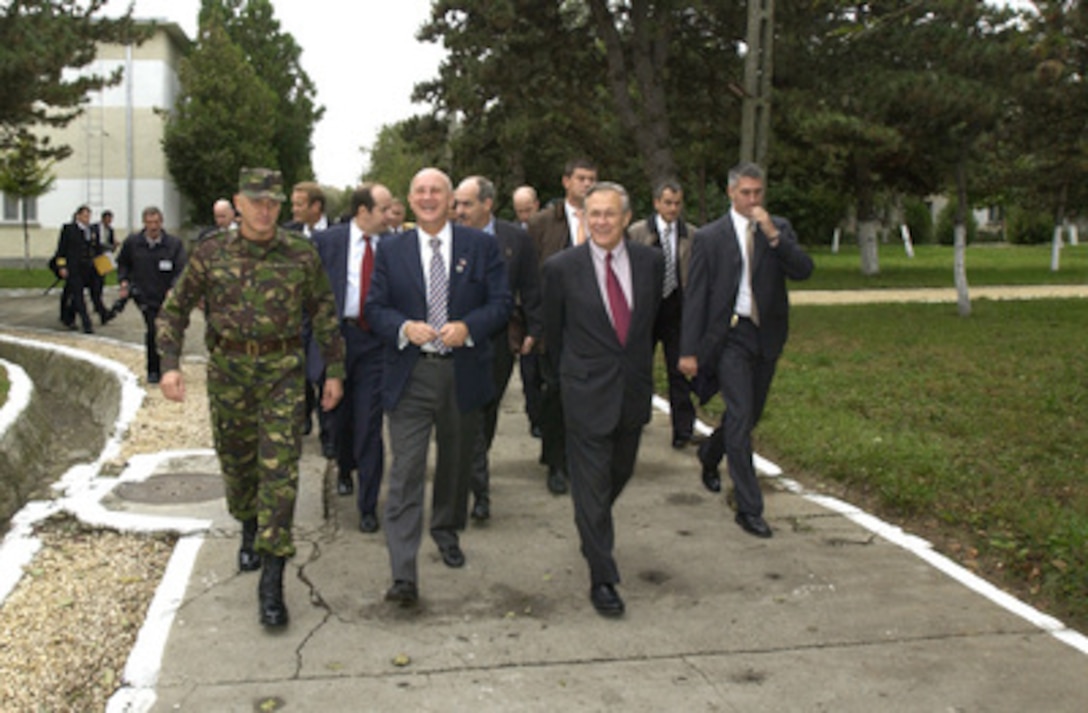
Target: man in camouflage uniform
256	282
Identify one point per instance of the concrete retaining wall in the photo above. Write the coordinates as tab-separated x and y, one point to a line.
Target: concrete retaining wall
72	409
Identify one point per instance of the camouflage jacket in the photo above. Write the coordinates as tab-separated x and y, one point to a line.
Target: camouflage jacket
253	291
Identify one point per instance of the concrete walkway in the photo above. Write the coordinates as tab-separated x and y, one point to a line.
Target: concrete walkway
838	611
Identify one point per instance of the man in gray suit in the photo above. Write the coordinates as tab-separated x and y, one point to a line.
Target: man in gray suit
437	295
736	318
600	301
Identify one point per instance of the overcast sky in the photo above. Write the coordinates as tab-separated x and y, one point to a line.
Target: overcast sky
376	37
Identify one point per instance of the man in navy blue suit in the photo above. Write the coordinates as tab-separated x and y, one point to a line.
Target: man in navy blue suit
349	251
437	295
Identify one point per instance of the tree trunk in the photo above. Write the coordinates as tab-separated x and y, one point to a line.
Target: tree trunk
1056	249
1056	241
867	223
959	261
867	245
26	237
648	119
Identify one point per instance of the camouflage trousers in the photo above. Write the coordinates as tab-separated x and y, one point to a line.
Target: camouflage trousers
257	405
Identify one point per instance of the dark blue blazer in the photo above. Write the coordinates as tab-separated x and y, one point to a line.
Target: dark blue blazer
333	246
479	297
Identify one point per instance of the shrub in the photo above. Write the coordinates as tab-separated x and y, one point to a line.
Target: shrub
814	212
946	222
1026	227
919	220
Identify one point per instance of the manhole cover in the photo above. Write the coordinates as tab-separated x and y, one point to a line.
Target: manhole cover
173	488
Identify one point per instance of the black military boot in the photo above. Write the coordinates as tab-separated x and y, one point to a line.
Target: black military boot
270	592
248	559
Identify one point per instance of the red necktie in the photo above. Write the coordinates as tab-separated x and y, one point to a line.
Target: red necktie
364	279
621	312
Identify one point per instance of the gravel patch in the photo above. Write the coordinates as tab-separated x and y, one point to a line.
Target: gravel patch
68	627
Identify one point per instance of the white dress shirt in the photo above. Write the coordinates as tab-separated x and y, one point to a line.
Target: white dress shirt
356	250
743	306
621	265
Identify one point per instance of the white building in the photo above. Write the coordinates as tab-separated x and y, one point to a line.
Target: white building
117	161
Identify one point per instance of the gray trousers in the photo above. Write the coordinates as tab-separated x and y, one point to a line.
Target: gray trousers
429	401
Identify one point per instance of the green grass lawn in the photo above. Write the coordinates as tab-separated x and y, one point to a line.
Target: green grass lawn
17	277
972	430
35	277
931	266
5	385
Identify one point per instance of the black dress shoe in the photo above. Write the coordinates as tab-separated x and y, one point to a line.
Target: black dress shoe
328	448
248	559
557	481
452	555
679	442
712	480
606	600
154	377
106	317
753	525
345	485
481	510
368	522
307	426
403	592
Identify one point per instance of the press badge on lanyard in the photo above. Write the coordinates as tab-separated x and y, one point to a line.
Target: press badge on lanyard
166	265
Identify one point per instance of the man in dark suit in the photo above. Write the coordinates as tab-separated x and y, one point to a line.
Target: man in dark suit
600	302
348	252
669	233
557	227
77	247
474	200
437	295
308	218
736	319
307	209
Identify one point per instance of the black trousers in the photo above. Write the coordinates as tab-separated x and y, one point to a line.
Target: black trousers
745	375
667	332
600	467
502	367
150	312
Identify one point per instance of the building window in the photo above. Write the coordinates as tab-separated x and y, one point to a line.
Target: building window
13	209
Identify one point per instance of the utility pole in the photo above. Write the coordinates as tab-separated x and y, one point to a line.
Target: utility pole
755	127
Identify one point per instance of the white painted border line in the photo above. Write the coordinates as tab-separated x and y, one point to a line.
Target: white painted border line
919	547
145	660
18	395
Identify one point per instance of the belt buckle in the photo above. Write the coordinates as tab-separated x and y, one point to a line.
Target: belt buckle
253	348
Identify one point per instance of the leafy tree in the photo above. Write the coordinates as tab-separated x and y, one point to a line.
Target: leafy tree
394	159
1046	146
25	175
41	39
275	56
224	120
516	91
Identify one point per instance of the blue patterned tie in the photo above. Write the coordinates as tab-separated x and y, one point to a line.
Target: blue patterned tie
438	294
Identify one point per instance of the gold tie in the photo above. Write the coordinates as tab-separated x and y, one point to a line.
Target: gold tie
749	247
